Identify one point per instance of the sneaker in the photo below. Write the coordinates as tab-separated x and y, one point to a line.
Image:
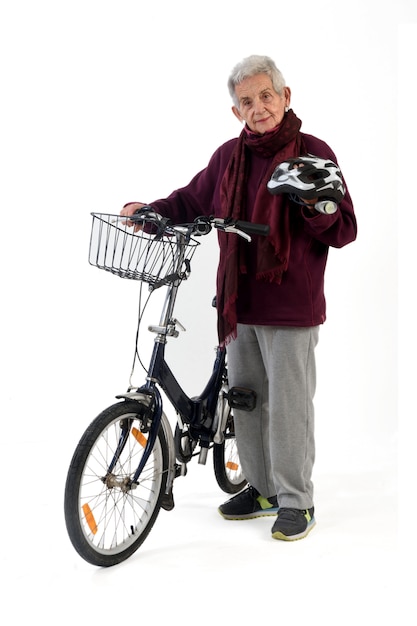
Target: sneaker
292	524
249	504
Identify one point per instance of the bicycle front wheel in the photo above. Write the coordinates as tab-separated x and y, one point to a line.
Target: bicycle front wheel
108	517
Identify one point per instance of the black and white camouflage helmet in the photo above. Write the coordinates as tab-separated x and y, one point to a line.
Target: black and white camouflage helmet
308	177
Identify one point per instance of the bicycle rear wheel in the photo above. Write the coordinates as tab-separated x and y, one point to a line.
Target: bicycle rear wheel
227	467
107	517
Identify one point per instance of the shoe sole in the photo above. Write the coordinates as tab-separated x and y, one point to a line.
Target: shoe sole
279	535
238	518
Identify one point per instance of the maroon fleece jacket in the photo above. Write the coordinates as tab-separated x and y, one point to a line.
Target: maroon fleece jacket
299	300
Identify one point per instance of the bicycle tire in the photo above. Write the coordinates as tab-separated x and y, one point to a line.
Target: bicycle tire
106	520
227	467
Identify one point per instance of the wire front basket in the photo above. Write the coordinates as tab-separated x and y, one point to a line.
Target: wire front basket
157	259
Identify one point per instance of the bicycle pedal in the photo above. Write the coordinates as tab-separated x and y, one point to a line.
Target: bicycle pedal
202	457
180	469
242	398
167	501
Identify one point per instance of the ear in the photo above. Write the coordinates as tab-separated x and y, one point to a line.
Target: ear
287	96
237	114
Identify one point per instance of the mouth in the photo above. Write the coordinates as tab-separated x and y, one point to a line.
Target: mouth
263	120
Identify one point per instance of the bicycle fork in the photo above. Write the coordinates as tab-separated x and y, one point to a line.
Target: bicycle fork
154	419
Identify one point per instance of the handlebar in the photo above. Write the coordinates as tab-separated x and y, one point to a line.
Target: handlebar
202	225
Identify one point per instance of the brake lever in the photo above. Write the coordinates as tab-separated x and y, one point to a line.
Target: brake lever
236	231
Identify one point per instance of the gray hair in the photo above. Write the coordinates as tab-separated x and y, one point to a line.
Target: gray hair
251	66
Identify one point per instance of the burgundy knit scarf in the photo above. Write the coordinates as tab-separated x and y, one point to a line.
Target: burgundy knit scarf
272	251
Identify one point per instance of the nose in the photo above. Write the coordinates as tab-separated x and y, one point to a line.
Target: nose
259	106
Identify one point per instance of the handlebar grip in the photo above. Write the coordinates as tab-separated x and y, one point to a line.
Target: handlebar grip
253	229
142	211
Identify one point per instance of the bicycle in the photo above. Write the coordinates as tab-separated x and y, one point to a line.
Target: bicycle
123	469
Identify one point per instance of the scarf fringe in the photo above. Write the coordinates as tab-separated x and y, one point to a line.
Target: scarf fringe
227	321
229	338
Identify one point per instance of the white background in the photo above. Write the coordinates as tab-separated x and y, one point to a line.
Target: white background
107	102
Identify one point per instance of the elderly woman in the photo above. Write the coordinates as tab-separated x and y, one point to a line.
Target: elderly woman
270	293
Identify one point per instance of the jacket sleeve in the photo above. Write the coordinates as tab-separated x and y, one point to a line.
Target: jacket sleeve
339	228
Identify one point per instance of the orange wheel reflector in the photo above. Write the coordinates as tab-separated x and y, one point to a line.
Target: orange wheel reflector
89	518
232	466
140	437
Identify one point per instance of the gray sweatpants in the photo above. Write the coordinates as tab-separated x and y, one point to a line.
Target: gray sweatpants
276	439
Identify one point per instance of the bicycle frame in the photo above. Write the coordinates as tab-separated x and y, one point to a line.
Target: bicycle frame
197	412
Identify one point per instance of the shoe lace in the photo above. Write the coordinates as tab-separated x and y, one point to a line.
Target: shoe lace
289	514
254	492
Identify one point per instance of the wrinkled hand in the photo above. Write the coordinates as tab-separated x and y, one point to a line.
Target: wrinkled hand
310	204
128	210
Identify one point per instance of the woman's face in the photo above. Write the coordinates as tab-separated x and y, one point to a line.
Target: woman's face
259	105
